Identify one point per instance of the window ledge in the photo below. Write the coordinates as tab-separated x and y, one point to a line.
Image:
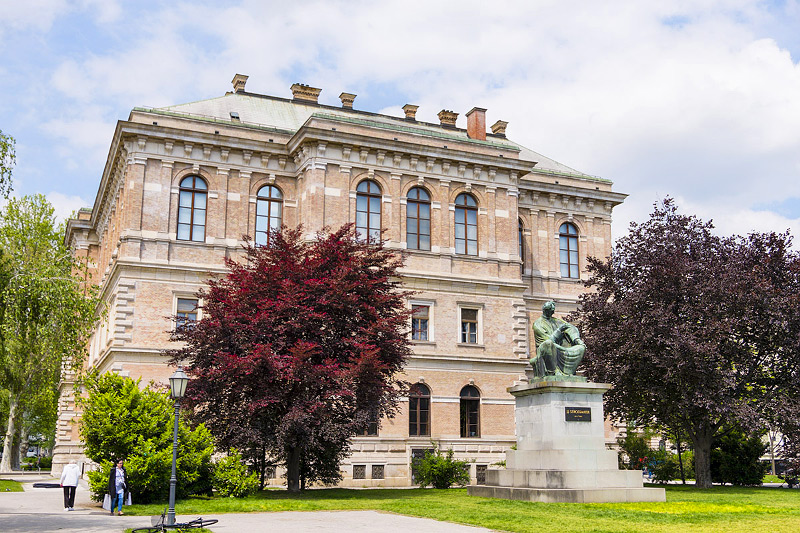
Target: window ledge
471	345
424	343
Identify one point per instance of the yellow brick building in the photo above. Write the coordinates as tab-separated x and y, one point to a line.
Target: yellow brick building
491	230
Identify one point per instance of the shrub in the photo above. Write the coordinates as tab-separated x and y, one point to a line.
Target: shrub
664	465
736	459
441	470
121	421
634	449
230	477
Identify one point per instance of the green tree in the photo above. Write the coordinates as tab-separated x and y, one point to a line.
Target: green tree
7	160
46	312
736	458
120	420
441	470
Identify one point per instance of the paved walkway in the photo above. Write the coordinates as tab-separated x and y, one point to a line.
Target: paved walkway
41	510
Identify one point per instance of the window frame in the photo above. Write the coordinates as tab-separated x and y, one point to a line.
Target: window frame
415	406
197	311
466	403
431	320
568	233
195	192
463	210
368	195
417	204
271	202
477	322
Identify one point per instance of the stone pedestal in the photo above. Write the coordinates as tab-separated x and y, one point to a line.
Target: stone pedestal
561	454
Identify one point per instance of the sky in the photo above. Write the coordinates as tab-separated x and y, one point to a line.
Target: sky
696	100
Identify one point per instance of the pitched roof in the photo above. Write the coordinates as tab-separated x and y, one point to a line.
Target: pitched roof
289	115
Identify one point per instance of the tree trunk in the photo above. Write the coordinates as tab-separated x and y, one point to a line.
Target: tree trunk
702	440
680	460
23	444
11	430
293	470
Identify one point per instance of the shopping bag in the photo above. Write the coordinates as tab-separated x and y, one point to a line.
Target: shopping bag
107	502
128	500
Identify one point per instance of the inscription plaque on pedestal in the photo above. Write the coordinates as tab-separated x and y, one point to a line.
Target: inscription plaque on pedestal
578	414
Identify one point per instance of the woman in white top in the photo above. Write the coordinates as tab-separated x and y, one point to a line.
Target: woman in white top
69	481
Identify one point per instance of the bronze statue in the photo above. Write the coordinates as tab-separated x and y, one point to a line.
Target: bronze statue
559	347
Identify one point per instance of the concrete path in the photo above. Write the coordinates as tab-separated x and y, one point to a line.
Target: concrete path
41	510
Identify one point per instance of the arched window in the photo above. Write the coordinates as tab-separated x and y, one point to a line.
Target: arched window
418	219
568	250
269	212
470	412
419	410
192	209
466	225
368	210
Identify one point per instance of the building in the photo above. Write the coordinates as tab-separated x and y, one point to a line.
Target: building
492	230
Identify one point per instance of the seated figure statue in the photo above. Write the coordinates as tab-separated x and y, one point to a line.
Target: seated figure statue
559	347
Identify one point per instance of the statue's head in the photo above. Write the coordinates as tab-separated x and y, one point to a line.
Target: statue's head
549	308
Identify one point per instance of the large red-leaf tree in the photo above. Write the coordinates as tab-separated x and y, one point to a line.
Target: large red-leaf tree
298	349
696	332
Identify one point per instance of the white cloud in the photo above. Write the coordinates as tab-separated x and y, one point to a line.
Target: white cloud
65	205
694	99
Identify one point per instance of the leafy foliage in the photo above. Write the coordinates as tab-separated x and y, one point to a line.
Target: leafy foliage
121	421
635	448
46	312
299	345
231	478
736	459
664	466
694	331
441	470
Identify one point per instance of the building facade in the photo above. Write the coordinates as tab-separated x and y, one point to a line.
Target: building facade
490	228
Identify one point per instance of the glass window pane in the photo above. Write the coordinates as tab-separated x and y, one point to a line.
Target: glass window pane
425	227
200	183
375	205
185	199
361	220
472	217
261	223
261	238
573	258
573	271
469	314
199	201
563	256
461	246
275	223
198	234
183	232
200	217
375	235
412	241
184	215
375	221
472	248
564	270
424	242
461	232
412	225
472	233
361	203
425	211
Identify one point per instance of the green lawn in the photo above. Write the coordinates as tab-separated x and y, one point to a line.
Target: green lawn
6	485
717	510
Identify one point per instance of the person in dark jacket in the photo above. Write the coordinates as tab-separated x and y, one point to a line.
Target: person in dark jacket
118	485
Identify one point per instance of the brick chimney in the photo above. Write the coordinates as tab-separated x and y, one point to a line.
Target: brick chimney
347	100
499	128
238	82
411	111
447	118
476	123
303	92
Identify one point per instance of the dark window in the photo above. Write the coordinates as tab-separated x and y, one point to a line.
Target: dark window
192	198
417	454
466	225
418	219
187	312
480	474
368	211
469	326
419	410
470	412
521	239
271	472
419	322
568	250
372	428
377	471
359	471
269	212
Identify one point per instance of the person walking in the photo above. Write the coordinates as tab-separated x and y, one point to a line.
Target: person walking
69	481
118	485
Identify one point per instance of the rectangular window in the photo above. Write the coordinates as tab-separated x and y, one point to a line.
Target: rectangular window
377	471
372	429
186	314
271	472
359	471
419	322
469	326
480	474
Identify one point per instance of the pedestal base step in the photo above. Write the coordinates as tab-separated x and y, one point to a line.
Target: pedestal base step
565	479
601	495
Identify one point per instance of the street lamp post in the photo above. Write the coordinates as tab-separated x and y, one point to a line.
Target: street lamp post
177	384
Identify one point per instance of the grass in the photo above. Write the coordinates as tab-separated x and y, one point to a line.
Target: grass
721	509
6	485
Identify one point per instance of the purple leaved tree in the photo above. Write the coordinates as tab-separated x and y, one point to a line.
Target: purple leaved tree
696	332
298	349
